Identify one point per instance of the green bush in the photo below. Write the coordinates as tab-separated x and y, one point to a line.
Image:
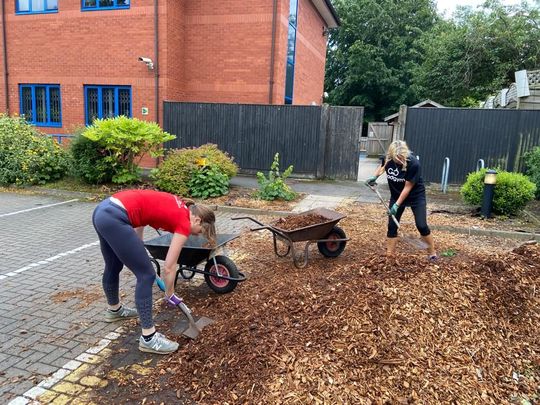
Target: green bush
178	168
28	156
208	181
532	162
126	141
89	160
512	192
274	187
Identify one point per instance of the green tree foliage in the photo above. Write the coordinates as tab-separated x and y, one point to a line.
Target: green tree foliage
28	156
393	52
126	141
477	52
183	172
372	56
512	192
532	161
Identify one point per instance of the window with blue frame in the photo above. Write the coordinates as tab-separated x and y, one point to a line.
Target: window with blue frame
291	51
41	104
107	102
104	4
36	6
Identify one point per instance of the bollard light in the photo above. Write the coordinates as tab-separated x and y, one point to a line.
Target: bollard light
490	180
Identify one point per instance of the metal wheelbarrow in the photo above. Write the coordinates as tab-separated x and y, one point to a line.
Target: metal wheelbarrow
220	272
330	239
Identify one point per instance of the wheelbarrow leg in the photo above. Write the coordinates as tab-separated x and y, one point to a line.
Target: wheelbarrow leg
300	261
286	242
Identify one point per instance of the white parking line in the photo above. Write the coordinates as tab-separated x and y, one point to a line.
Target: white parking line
46	261
37	208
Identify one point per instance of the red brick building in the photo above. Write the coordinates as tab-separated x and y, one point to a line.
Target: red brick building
67	61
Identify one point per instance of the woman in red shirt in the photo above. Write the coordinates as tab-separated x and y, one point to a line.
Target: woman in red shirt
119	222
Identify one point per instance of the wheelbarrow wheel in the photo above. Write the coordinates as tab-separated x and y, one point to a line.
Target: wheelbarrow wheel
225	267
333	249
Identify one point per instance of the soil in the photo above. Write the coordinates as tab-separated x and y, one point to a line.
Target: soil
299	221
361	328
245	197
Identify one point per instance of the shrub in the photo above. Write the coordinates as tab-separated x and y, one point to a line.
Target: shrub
126	140
274	187
178	168
532	162
28	156
208	181
512	192
89	160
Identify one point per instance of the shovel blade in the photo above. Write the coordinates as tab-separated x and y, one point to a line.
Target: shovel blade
195	328
414	242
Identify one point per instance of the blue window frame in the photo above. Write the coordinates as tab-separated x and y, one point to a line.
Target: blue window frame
36	6
90	5
106	102
291	51
41	104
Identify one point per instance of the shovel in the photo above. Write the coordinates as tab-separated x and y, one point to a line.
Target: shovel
411	240
194	327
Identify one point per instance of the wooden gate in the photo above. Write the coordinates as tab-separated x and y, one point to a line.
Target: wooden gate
378	139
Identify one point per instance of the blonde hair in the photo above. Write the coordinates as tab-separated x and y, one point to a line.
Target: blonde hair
398	151
208	220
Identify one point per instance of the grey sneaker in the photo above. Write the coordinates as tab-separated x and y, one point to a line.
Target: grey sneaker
122	314
159	344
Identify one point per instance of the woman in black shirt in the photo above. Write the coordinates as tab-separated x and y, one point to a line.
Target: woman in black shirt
406	190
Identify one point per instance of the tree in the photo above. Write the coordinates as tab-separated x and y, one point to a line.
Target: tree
477	52
373	55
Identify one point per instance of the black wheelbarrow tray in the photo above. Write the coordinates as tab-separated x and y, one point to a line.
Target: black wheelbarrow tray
330	239
220	272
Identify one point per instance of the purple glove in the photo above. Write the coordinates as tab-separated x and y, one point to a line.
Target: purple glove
173	300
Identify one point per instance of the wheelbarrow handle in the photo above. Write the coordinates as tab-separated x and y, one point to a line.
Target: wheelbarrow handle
250	218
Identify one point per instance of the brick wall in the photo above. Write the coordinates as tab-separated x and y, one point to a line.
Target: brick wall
209	52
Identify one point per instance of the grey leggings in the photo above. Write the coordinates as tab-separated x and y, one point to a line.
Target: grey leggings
420	219
120	245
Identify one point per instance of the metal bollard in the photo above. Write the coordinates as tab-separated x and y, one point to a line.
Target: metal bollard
489	189
445	171
480	165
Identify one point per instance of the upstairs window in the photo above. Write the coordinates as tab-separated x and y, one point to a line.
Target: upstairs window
104	4
291	51
107	102
41	104
36	6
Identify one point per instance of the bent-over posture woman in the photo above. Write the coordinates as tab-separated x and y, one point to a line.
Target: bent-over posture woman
119	222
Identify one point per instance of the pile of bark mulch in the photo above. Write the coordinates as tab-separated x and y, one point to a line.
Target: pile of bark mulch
361	329
298	221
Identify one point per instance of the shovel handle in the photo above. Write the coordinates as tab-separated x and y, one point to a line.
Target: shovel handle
384	203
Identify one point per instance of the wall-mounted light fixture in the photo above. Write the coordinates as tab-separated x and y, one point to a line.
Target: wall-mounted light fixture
325	31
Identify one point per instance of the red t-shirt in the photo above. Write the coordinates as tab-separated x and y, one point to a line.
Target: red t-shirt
155	208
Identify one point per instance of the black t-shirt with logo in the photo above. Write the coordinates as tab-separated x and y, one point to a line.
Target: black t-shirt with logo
396	181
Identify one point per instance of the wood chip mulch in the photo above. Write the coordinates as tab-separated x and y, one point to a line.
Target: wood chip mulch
361	329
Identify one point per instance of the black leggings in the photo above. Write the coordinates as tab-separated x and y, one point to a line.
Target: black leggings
120	245
420	219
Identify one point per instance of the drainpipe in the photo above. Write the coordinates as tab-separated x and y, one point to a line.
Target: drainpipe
272	52
4	48
156	58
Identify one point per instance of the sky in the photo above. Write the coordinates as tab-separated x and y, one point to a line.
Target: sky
448	6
